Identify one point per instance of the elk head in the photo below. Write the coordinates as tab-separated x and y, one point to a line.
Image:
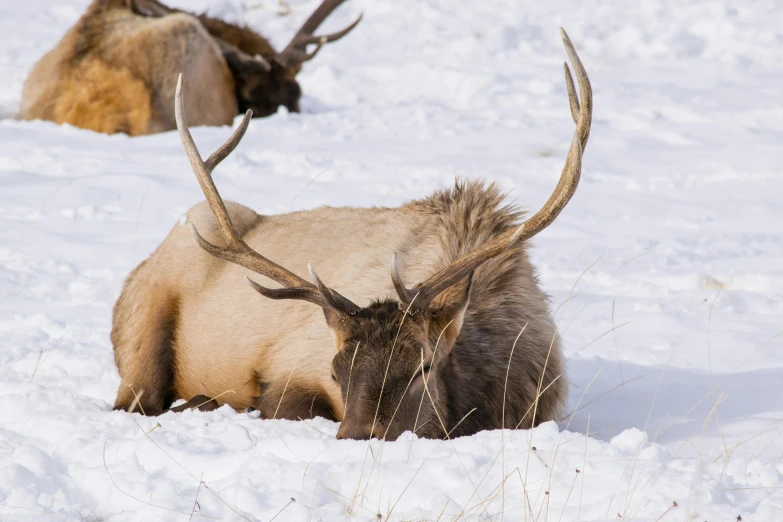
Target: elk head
265	83
389	354
265	79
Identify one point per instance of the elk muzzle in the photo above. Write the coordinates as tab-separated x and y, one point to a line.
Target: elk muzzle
356	431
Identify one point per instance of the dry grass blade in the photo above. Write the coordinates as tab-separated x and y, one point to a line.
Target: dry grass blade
136	230
35	370
136	401
539	391
570	415
287	382
697	473
448	437
614	328
11	507
349	500
584	470
674	505
565	504
308	184
489	468
114	483
752	488
607	392
380	395
616	345
195	502
304	475
503	417
629	494
423	392
175	461
389	514
709	362
282	509
402	398
350	375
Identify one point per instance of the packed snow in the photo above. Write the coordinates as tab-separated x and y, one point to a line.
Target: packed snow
665	270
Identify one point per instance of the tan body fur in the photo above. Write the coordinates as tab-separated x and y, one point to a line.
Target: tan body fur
226	342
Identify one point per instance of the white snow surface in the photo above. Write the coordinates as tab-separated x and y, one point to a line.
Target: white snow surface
665	271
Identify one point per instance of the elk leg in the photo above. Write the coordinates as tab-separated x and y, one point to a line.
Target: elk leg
199	402
296	404
147	378
143	335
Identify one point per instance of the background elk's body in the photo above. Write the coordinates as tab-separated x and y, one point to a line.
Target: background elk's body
116	69
186	323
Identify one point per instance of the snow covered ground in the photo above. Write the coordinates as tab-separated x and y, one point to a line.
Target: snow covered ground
672	246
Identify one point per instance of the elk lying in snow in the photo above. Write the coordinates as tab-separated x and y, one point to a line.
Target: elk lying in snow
443	357
114	70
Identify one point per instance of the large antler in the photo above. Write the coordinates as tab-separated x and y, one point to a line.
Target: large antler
151	8
296	50
464	266
236	250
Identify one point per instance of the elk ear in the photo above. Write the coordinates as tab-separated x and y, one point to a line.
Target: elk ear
447	312
334	320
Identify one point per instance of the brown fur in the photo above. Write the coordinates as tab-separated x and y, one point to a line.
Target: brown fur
186	324
92	101
240	36
115	71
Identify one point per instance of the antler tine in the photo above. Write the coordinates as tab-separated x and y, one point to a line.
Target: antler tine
405	295
280	293
318	16
237	251
296	50
203	169
566	186
304	40
585	90
150	8
335	300
573	101
293	56
228	147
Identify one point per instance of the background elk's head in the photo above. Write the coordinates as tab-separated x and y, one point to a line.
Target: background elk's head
390	353
264	79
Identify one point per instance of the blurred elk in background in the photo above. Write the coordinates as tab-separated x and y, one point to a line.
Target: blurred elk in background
115	70
472	347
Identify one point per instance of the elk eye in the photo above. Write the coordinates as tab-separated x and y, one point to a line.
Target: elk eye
334	378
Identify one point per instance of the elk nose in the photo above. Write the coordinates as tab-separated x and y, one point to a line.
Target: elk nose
360	432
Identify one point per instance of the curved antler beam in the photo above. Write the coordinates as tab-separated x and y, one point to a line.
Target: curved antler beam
236	250
296	50
581	112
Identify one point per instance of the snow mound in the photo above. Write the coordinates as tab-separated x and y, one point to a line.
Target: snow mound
664	271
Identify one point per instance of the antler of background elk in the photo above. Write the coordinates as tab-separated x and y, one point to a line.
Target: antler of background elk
296	50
